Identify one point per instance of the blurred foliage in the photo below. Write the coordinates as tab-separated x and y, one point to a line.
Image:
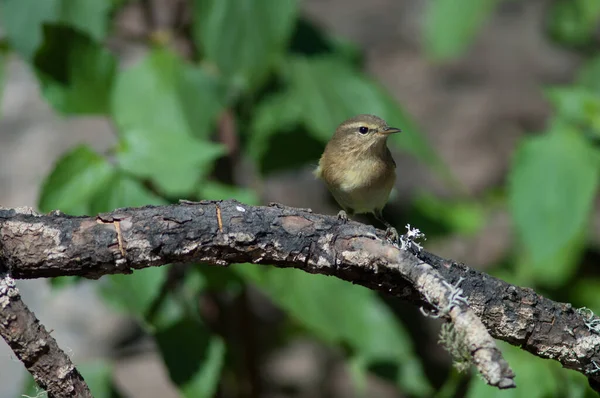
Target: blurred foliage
451	25
259	65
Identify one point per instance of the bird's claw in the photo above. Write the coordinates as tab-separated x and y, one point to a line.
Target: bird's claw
342	216
392	235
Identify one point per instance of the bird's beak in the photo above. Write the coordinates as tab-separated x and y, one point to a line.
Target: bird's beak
389	130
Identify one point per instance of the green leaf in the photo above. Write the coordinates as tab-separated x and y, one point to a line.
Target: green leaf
277	113
552	185
245	39
326	92
174	161
166	95
75	181
180	302
451	25
211	190
577	105
98	376
573	22
88	16
164	108
321	304
589	75
75	72
459	216
134	293
193	357
585	293
123	191
23	20
310	39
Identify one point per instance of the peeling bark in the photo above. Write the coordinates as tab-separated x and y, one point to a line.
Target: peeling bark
222	233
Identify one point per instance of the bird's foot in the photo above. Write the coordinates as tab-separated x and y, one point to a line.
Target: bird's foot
342	216
392	235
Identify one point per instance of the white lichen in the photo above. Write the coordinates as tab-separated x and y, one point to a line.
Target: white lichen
591	321
242	237
409	239
39	393
595	370
64	371
455	298
120	262
8	290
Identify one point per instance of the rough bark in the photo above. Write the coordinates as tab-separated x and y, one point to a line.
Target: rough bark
221	233
35	347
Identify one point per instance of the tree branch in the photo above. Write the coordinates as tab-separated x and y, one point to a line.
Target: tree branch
221	233
35	347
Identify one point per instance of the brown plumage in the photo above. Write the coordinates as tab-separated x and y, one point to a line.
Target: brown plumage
358	168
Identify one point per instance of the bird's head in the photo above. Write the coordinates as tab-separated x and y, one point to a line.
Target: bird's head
363	132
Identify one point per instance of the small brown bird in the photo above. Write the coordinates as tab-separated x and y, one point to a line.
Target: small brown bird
358	168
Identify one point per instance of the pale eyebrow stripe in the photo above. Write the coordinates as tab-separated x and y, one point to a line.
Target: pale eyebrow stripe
360	124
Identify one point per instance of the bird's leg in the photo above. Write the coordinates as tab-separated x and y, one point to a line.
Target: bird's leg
390	233
344	216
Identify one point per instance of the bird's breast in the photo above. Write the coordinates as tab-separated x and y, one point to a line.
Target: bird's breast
367	174
363	184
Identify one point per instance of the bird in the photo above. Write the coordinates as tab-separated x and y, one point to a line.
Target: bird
359	169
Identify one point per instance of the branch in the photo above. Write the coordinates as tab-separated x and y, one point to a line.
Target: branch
35	347
227	232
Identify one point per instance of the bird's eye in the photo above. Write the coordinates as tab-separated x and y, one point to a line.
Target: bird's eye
363	130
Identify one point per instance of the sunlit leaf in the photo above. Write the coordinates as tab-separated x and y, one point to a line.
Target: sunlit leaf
326	91
174	161
165	94
577	105
164	109
23	20
89	16
243	39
